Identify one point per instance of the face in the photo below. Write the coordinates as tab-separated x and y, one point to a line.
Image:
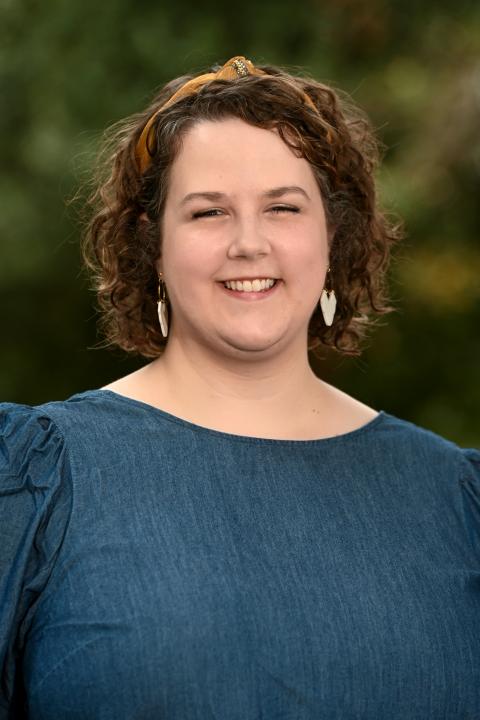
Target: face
254	212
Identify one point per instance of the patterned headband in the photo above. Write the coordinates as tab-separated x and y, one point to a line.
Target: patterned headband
234	68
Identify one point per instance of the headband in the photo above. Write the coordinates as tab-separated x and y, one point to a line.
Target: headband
237	66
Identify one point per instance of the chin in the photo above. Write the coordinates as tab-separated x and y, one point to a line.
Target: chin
251	344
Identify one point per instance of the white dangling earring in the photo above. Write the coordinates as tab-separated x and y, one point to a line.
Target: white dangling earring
162	306
328	303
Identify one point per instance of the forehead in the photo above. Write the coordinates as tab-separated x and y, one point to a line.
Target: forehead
231	150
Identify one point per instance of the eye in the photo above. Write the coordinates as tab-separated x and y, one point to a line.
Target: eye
283	208
214	212
205	213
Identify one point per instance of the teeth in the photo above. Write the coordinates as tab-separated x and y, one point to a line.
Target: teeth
256	285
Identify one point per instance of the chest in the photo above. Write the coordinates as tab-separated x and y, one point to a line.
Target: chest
245	600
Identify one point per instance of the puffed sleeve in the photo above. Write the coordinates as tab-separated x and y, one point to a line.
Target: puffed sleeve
35	506
470	481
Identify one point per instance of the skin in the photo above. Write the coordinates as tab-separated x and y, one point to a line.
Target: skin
240	365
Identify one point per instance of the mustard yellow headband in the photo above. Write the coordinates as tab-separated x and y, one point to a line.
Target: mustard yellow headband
234	68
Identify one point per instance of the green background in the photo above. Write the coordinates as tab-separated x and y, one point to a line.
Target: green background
70	69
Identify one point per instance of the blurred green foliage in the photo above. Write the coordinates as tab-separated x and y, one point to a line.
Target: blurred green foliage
68	70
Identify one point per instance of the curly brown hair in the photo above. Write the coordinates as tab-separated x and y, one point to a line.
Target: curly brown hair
337	140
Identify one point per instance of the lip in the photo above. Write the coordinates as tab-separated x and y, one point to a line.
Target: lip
249	296
250	277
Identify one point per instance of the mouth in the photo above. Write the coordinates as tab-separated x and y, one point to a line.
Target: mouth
256	289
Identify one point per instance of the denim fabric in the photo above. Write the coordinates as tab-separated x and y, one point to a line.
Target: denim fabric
153	569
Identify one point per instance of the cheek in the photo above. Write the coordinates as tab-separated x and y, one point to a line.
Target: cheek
309	254
181	252
190	267
306	267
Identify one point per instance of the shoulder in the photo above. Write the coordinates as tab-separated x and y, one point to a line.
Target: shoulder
52	430
419	448
24	432
399	440
79	410
35	468
95	428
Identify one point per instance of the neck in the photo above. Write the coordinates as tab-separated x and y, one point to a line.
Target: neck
200	384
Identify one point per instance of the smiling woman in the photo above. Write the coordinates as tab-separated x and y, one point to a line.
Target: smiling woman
318	126
222	534
246	238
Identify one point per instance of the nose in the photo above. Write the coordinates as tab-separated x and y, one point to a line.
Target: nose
248	240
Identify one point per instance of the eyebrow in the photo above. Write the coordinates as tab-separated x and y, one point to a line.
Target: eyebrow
272	193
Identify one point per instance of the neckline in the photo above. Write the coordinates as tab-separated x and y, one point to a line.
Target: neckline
219	434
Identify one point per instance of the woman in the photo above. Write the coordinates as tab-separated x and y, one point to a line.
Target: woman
222	534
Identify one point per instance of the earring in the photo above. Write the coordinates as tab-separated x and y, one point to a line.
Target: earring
162	306
328	302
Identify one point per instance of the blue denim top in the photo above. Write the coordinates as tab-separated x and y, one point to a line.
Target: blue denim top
152	568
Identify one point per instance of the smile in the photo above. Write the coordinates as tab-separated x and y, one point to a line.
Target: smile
250	289
256	285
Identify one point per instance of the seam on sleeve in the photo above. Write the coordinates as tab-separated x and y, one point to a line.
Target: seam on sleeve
466	457
69	464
